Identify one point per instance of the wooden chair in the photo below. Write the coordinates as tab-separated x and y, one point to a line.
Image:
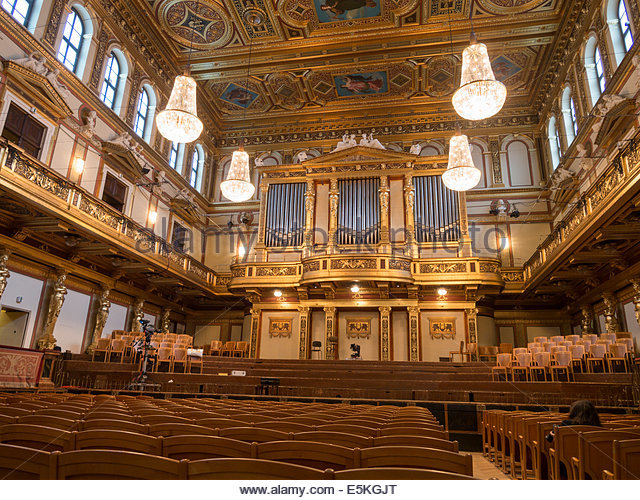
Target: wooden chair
596	357
220	423
413	456
540	340
54	412
19	463
397	474
595	452
522	365
250	468
179	429
487	353
113	424
410	431
542	464
562	364
164	357
166	418
109	439
459	352
117	348
617	357
37	437
505	348
216	348
194	360
102	346
572	338
564	447
200	447
241	350
185	339
611	337
128	344
626	460
349	428
180	358
103	414
256	434
338	438
308	453
577	357
557	338
64	424
111	464
228	348
591	337
503	365
417	440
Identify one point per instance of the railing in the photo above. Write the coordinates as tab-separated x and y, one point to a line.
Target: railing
139	239
623	167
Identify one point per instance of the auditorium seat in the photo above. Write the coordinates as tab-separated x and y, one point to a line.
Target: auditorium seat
20	463
177	429
397	474
109	439
308	453
37	437
626	460
565	447
595	452
416	440
256	434
250	468
115	424
415	457
199	447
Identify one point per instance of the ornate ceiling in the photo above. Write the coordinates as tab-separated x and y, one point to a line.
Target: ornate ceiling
332	61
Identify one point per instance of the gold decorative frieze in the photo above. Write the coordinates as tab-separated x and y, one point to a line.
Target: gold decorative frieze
309	267
401	265
277	271
358	328
442	328
443	267
279	327
490	267
353	264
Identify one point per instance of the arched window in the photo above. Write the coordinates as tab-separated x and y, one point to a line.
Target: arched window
554	142
72	39
197	162
115	76
569	116
145	111
595	69
176	155
20	10
619	28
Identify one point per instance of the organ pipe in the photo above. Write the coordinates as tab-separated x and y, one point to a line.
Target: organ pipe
437	214
285	213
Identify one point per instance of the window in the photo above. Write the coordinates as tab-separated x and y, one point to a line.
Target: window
574	118
20	10
114	193
594	69
599	70
180	237
554	142
111	81
569	116
141	113
197	160
72	39
625	25
23	130
174	154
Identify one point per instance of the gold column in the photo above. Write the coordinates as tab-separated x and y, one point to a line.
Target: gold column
610	318
334	196
304	313
466	248
409	201
264	189
636	297
4	272
137	315
101	319
472	321
385	335
310	203
56	299
414	313
331	337
253	339
496	168
384	211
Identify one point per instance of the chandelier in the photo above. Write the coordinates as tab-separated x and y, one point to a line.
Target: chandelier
179	122
237	187
480	95
461	173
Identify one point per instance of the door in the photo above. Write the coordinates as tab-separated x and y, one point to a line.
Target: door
13	325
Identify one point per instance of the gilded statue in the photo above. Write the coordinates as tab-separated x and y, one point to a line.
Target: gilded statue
586	326
610	319
165	322
4	272
101	319
48	341
137	316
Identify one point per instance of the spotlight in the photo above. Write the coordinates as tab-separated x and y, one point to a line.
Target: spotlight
515	213
442	292
241	251
493	211
153	217
78	165
230	225
355	289
277	293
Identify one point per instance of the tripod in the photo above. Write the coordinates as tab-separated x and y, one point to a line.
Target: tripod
140	383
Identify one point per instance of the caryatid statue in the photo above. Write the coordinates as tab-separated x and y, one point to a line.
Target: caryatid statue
48	341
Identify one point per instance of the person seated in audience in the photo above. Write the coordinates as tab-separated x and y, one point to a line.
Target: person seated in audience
582	412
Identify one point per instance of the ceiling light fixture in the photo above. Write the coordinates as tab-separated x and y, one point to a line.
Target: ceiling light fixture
480	95
179	121
461	173
237	186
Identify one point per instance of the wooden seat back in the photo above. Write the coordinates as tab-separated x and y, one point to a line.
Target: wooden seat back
338	438
250	468
257	434
37	437
595	451
200	447
626	459
397	474
113	424
565	446
19	463
179	429
308	453
416	457
109	439
65	424
421	441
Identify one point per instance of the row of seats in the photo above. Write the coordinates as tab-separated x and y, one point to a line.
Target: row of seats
17	462
229	348
516	442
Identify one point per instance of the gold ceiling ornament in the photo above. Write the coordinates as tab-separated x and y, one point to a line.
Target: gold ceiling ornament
480	95
461	173
179	122
237	187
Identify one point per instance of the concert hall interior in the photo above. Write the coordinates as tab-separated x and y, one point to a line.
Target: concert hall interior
319	239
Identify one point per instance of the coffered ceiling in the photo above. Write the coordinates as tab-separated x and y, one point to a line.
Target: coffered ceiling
331	61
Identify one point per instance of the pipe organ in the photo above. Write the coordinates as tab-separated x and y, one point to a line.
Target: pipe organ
379	219
285	218
359	211
437	216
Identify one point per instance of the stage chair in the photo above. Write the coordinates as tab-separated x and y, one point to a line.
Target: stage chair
535	350
216	347
519	350
241	349
562	363
487	353
503	365
612	337
185	339
102	346
316	347
541	340
117	348
522	365
505	347
228	348
180	358
194	360
548	345
128	345
591	337
542	364
572	338
626	460
472	351
557	339
533	344
617	356
459	352
164	355
577	357
556	348
596	357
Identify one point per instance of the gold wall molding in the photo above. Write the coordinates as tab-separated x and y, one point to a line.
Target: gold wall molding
385	333
442	328
280	327
414	333
358	328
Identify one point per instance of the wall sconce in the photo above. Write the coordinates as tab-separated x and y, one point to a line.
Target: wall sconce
277	293
78	166
153	217
355	289
442	293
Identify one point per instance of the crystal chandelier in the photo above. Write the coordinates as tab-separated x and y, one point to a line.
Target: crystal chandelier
237	187
179	122
480	95
461	173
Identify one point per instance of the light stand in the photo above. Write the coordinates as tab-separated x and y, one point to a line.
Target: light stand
139	383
